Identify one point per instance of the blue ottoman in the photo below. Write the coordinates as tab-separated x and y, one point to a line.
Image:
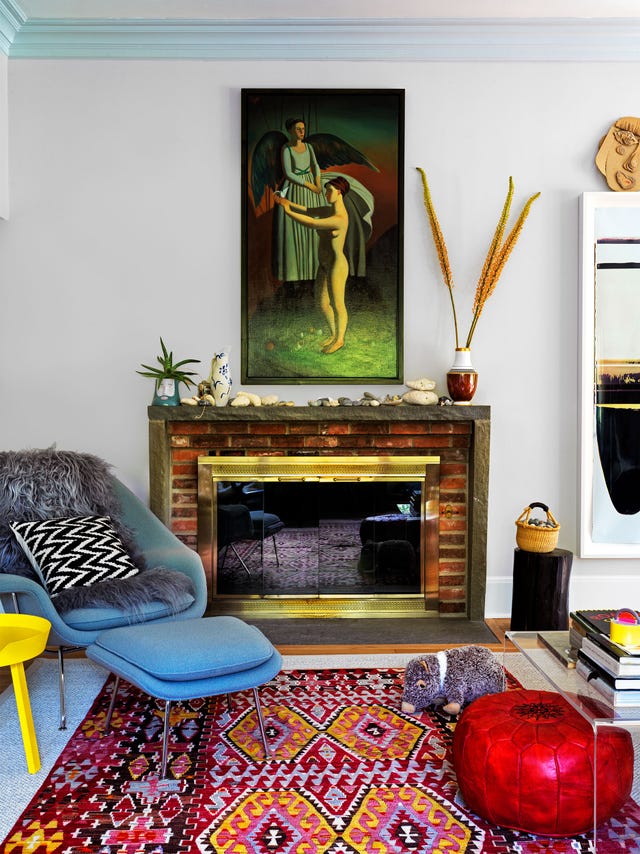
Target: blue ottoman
188	659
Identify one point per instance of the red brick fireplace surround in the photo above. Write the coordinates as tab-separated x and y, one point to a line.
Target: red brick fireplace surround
459	435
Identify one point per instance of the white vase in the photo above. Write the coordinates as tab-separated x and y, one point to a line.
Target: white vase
462	360
221	377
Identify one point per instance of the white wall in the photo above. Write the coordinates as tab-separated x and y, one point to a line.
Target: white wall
125	225
4	136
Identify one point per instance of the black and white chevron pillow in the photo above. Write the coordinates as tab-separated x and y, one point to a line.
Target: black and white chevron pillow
74	552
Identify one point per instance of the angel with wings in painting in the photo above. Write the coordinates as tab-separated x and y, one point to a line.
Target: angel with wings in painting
295	168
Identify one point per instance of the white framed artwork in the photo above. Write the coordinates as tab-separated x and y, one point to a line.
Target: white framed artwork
610	375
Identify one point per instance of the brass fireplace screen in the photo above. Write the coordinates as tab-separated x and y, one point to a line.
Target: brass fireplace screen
355	535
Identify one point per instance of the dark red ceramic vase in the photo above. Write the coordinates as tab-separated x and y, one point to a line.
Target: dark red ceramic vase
462	380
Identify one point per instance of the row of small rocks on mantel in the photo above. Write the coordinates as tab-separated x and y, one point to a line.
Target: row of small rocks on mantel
420	393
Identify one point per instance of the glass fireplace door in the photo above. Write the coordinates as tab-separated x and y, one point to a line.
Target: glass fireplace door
310	539
295	535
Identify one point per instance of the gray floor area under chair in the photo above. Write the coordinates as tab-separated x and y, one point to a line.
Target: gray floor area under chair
364	630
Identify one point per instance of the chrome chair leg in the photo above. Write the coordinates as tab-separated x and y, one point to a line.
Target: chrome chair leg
165	738
256	697
112	703
165	729
63	707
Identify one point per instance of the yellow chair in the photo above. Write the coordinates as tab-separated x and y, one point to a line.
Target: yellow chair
23	637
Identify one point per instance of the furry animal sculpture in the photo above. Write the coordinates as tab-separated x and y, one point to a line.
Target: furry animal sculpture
451	678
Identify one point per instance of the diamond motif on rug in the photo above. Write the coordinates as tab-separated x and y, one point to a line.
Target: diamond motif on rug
288	733
394	819
407	819
375	732
349	774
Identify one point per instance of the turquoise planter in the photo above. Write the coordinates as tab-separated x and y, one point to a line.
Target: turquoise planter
167	393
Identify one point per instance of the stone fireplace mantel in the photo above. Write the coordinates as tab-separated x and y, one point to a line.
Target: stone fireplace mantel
459	435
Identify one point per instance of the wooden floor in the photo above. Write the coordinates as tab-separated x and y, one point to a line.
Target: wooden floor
498	628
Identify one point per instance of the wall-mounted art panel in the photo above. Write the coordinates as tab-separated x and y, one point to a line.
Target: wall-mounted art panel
610	375
322	202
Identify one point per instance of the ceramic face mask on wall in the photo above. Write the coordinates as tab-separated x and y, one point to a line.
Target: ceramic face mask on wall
618	157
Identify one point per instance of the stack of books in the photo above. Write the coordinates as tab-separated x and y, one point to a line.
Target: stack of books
612	669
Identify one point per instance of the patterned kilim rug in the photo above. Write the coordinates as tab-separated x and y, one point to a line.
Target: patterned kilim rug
350	774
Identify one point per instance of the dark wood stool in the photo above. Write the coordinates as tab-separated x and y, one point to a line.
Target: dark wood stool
540	590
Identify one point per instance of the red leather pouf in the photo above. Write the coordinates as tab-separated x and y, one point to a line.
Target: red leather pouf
524	760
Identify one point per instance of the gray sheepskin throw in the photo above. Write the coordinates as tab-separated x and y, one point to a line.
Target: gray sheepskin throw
153	585
47	484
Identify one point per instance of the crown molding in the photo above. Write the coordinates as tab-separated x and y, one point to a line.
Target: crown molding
12	18
388	39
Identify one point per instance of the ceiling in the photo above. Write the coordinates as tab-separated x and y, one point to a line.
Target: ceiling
245	9
372	30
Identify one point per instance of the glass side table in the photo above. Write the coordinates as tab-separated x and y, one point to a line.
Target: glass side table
586	700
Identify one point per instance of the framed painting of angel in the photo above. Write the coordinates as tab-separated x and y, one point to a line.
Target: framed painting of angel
322	202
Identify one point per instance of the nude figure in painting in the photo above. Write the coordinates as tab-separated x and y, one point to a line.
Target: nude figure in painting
333	267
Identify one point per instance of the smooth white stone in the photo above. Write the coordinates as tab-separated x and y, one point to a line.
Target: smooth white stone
420	398
423	384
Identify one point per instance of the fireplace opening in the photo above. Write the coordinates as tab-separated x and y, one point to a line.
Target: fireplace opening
343	535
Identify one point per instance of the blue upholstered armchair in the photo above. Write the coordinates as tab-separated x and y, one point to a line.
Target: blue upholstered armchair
161	555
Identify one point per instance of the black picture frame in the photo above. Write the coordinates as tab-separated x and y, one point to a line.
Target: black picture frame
357	134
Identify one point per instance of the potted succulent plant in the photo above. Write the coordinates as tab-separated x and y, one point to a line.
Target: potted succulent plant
168	377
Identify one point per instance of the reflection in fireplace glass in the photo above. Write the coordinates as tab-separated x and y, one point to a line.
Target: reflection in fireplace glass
313	539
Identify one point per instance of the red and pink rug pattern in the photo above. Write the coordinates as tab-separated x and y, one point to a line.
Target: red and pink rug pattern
349	774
